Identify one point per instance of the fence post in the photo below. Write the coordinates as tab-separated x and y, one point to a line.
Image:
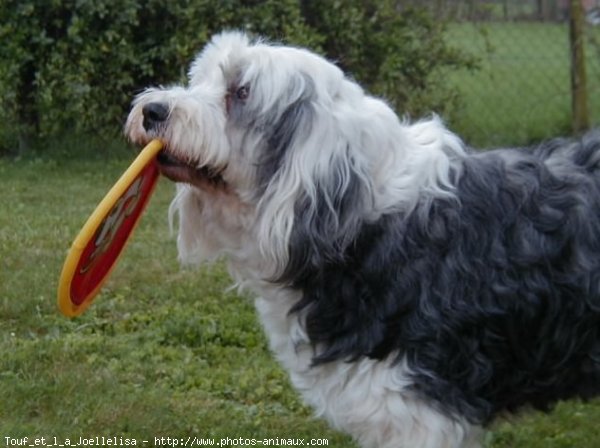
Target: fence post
580	115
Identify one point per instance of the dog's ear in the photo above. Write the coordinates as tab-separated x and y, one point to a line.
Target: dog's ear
293	120
327	217
316	201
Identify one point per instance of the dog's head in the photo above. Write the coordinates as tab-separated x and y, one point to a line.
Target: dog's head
277	150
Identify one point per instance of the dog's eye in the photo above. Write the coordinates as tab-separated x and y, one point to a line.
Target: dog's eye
242	92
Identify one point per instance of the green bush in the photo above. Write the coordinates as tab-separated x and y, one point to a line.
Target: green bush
72	66
400	55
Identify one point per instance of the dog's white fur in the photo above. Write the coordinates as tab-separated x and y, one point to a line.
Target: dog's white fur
399	164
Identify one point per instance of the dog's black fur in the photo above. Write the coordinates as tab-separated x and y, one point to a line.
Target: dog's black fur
492	297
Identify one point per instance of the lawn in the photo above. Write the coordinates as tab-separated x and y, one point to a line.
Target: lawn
521	91
163	352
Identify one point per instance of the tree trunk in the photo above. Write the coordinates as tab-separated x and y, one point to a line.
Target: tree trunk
27	113
580	118
541	9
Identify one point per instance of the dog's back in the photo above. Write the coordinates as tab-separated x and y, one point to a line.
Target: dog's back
492	297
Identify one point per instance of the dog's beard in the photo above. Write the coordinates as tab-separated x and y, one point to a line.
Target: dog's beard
200	176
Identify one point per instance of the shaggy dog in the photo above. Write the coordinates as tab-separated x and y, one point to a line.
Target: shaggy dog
413	289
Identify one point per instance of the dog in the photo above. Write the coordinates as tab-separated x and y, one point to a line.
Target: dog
414	289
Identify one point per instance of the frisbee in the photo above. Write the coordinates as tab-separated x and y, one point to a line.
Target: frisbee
101	240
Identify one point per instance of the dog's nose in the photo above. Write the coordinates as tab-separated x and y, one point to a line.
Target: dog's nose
154	114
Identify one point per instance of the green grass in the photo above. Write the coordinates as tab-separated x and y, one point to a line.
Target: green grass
162	351
521	92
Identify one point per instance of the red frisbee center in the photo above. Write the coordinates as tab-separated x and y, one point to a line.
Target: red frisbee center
103	249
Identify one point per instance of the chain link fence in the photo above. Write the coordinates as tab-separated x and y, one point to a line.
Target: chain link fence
521	91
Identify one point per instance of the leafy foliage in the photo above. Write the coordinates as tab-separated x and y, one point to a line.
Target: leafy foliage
400	55
74	65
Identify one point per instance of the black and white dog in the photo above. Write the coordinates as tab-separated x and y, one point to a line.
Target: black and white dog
413	290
